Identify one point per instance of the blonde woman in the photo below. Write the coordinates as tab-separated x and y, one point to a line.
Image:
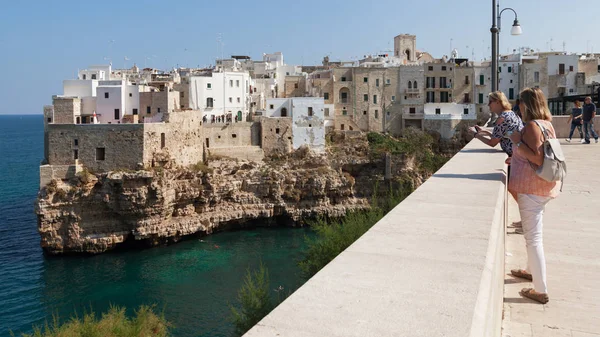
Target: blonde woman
507	123
533	192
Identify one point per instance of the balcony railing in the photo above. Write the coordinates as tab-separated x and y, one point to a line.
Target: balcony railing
411	90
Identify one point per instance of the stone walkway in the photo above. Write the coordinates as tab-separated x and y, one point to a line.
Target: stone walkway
572	248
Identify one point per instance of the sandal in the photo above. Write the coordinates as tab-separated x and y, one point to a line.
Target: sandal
521	273
534	295
516	224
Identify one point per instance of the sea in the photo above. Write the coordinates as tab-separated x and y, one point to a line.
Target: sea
193	282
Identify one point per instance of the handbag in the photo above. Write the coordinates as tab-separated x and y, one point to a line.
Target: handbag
554	167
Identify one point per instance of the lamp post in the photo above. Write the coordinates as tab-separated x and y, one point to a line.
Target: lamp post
496	25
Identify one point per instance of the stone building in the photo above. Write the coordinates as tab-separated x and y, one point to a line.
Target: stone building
295	86
411	93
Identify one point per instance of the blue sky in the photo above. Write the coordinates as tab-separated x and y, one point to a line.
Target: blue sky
44	42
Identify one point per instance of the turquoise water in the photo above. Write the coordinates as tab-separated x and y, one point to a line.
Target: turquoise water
194	281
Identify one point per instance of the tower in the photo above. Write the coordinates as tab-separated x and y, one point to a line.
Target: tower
405	46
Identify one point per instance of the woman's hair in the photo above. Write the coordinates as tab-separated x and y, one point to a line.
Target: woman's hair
535	104
577	103
499	96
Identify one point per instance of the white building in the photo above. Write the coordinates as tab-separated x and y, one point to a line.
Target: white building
222	94
308	119
483	86
449	111
115	99
508	76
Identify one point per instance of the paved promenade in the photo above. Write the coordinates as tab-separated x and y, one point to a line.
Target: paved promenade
572	248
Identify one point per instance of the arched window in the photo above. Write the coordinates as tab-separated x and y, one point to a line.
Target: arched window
407	53
415	84
409	85
283	112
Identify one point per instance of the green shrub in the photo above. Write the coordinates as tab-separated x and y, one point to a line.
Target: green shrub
113	323
254	300
334	237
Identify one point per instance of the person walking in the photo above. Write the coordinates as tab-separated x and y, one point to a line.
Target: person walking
589	112
533	192
576	121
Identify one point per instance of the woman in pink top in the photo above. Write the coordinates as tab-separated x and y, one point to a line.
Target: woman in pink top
533	192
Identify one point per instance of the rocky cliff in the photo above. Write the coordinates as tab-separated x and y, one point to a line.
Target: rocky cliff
93	213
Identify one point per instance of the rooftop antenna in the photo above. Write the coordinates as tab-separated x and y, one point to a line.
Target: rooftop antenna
564	46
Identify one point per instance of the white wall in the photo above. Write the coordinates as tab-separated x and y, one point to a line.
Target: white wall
88	105
308	130
105	107
509	80
449	111
277	104
567	60
223	86
132	102
79	88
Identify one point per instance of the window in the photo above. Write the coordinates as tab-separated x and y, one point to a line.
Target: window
443	83
326	95
342	127
287	73
374	99
75	154
209	102
466	111
233	135
561	68
536	76
230	99
148	110
438	111
430	97
237	83
511	93
364	112
365	79
231	83
343	79
295	85
93	76
117	114
75	142
444	97
377	82
49	120
499	69
105	95
510	69
239	100
158	110
208	86
467	99
326	112
480	98
387	81
135	112
393	98
366	98
409	85
376	114
255	89
310	111
163	140
467	81
344	111
277	130
430	68
84	76
100	153
130	95
271	106
415	85
570	68
443	67
481	79
412	110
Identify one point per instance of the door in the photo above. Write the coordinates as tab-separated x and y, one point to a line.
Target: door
239	116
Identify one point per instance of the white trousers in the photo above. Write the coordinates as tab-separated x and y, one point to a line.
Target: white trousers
531	208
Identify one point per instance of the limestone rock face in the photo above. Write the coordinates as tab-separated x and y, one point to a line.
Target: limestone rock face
94	213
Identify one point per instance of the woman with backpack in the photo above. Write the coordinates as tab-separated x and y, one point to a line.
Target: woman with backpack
533	192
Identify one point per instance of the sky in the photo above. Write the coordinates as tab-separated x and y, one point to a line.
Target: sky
44	42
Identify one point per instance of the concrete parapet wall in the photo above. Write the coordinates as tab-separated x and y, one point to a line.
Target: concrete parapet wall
50	172
433	266
562	127
251	153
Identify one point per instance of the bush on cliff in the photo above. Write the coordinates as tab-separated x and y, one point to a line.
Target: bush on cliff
254	300
113	323
334	237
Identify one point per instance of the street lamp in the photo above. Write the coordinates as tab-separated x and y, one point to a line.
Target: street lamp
515	30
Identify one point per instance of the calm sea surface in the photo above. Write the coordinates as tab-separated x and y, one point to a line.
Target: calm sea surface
194	281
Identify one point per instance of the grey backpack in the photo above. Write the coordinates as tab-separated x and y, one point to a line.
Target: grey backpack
554	167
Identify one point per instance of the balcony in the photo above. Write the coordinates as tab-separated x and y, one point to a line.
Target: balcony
411	91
